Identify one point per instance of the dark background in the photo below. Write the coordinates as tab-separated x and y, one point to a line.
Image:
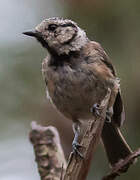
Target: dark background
115	24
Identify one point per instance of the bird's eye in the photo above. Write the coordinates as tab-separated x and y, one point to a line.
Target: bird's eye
52	27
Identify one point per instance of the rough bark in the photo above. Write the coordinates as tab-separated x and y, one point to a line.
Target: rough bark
48	152
117	170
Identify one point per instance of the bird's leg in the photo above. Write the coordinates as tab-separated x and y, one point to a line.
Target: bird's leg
75	144
95	109
109	114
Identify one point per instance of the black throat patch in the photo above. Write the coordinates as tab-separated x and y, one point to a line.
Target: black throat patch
60	60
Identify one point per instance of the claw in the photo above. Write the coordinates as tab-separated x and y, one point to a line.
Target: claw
75	144
96	109
75	149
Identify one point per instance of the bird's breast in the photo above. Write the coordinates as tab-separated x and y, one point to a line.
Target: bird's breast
74	91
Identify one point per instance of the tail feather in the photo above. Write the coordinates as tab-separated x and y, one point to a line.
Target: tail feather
115	145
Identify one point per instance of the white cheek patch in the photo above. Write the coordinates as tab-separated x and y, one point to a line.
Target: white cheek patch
75	45
63	38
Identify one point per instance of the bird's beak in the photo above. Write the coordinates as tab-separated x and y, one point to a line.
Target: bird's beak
32	33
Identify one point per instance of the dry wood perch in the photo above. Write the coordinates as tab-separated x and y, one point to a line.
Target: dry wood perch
116	171
48	151
50	157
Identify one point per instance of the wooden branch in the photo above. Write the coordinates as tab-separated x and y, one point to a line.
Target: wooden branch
48	152
117	170
78	168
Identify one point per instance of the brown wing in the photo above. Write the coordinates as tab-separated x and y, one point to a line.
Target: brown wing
118	108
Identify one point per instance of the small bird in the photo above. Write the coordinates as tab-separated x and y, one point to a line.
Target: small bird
78	75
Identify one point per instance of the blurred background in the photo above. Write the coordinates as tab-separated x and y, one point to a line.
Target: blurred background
115	24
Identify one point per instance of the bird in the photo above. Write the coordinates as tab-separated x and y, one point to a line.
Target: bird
78	74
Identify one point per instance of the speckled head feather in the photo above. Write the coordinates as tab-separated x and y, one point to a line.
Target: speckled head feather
59	21
60	36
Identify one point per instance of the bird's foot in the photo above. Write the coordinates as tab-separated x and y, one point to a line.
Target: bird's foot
96	109
75	149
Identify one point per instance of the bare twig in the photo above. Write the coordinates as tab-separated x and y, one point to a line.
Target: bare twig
116	171
48	152
78	168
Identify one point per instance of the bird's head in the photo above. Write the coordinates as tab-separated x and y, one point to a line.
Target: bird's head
59	36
